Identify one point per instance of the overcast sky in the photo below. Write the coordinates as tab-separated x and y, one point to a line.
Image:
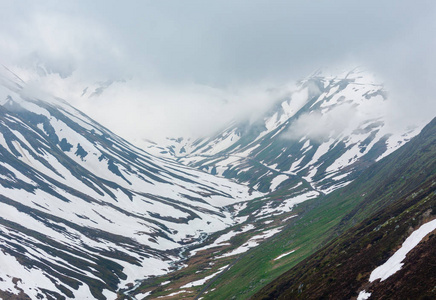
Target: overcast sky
187	67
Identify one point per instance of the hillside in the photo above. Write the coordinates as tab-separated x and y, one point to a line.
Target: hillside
84	212
397	196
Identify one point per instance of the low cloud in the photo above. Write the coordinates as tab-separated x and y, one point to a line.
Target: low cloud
320	127
335	120
139	110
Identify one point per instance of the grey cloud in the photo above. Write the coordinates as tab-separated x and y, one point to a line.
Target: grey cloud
223	42
226	49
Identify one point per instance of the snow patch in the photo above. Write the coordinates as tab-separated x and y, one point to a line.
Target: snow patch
394	263
277	181
203	281
252	242
284	254
363	295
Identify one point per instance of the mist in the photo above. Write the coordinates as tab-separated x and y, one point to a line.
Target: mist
149	69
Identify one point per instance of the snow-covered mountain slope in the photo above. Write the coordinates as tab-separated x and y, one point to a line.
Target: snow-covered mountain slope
83	212
324	134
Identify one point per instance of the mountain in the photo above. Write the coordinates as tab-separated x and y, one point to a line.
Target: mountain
298	216
389	254
322	135
85	213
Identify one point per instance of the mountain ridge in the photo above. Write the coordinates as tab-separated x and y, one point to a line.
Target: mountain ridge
68	182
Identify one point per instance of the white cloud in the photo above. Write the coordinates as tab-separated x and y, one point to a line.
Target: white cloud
337	120
320	127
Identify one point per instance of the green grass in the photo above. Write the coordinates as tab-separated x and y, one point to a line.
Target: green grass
257	267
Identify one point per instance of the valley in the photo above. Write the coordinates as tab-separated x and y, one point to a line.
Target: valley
244	213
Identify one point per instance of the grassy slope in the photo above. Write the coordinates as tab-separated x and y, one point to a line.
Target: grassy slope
393	198
323	219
